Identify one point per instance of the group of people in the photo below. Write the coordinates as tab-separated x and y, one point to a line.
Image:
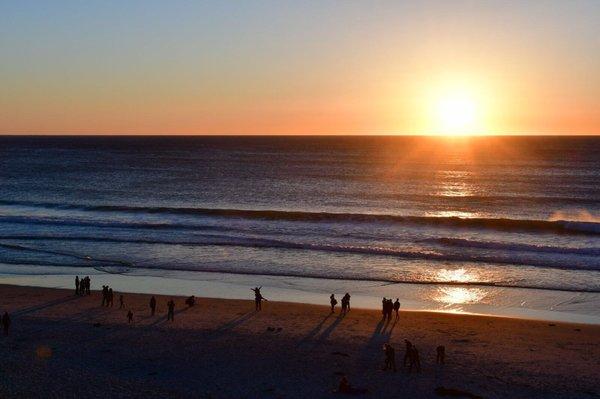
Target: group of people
388	306
108	296
345	303
411	357
82	286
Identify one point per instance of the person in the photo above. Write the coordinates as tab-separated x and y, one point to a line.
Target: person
414	360
345	303
383	305
408	345
333	302
171	312
121	302
440	354
86	286
388	310
76	285
397	308
129	316
152	306
6	323
390	357
104	295
110	298
191	301
258	298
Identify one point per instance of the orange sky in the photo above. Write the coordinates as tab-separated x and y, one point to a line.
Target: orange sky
288	68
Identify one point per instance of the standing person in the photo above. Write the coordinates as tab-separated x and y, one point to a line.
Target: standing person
414	360
152	306
105	295
111	297
390	357
333	302
383	306
6	323
347	296
258	298
397	308
129	316
171	311
121	302
86	286
76	285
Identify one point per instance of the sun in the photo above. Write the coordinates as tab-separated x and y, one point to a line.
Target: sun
456	115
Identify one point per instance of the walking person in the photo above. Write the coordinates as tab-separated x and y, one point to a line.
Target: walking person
121	302
390	357
333	302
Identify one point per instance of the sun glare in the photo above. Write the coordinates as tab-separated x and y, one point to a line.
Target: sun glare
456	115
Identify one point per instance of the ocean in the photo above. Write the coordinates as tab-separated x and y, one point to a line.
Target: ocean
507	212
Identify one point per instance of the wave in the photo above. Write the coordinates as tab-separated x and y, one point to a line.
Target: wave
503	224
252	242
465	243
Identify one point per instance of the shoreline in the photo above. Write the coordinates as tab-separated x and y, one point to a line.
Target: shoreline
69	346
519	303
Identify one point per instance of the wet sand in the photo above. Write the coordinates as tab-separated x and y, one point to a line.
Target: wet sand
61	345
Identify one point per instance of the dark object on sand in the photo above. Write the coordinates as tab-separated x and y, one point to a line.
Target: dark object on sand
340	354
191	301
6	323
152	306
456	393
440	354
348	389
171	310
97	324
129	316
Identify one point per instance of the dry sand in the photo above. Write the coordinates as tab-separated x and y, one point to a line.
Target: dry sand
61	345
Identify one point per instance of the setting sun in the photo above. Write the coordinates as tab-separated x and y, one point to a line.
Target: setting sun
456	115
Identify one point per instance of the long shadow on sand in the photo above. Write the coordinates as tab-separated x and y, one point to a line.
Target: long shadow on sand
380	336
46	305
163	319
231	324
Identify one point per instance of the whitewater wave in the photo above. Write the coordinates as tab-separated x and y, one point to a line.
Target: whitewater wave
504	224
466	243
508	258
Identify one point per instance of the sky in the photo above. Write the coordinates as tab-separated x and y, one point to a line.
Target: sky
299	67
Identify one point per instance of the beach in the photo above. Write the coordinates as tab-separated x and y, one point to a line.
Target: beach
63	345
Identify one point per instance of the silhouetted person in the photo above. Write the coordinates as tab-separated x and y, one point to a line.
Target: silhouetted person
383	305
152	306
414	360
171	311
121	302
345	303
105	295
5	323
111	298
333	302
390	357
86	285
191	301
129	316
440	354
387	309
76	285
408	348
258	298
397	308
